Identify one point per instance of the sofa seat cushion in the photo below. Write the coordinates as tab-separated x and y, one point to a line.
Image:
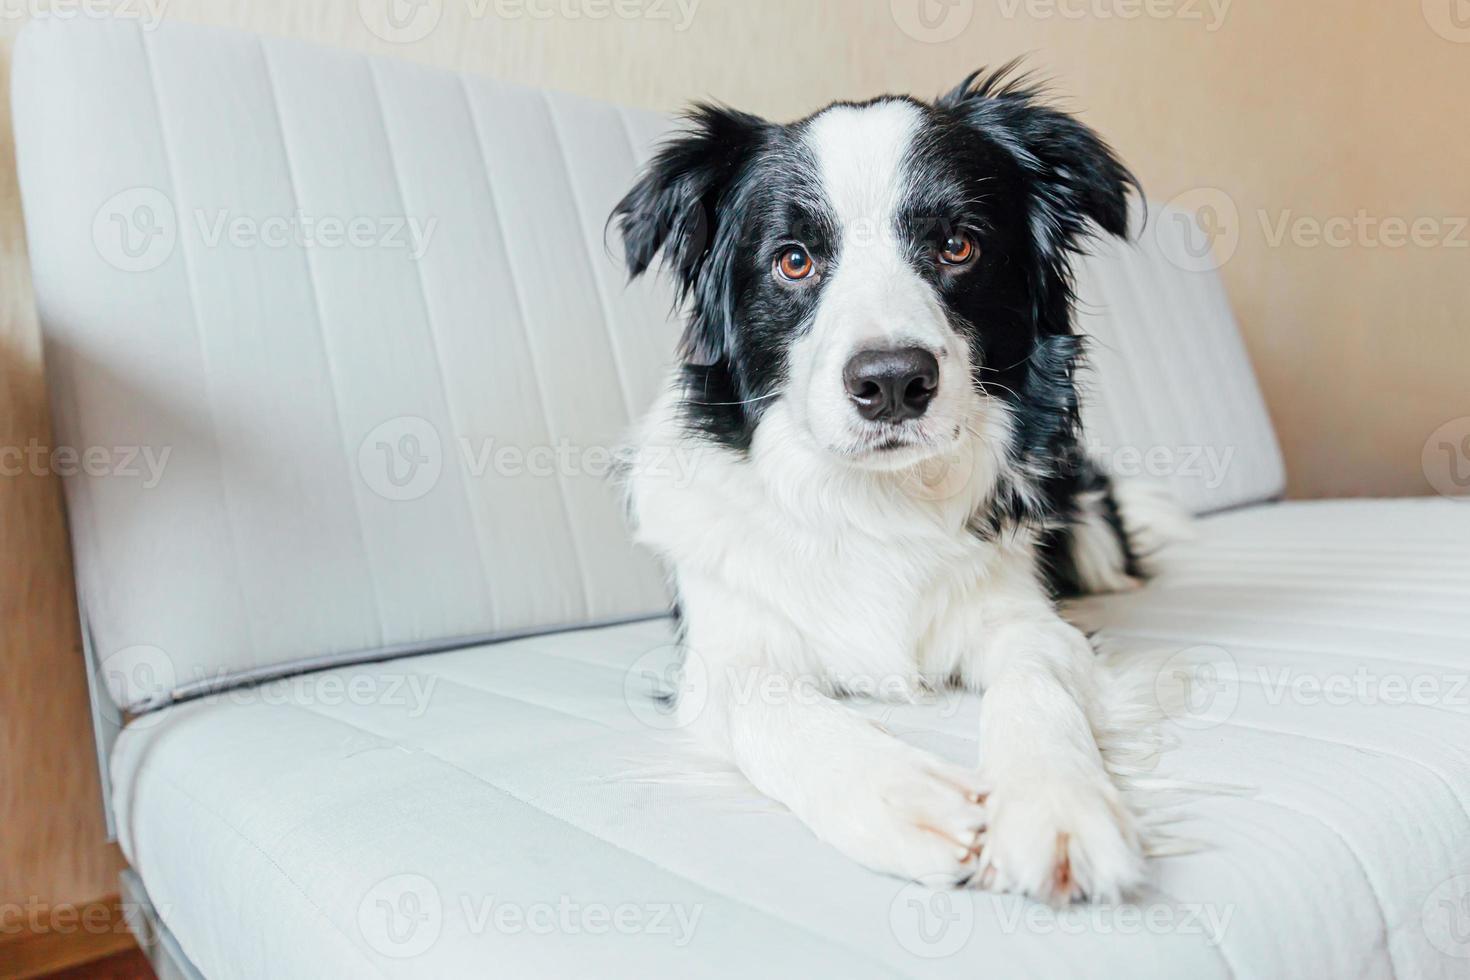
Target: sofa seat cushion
506	809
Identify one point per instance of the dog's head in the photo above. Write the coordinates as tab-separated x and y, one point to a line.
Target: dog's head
889	273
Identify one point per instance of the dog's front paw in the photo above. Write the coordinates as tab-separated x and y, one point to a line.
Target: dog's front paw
909	815
1060	841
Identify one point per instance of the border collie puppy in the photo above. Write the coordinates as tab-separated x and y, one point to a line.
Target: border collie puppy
877	377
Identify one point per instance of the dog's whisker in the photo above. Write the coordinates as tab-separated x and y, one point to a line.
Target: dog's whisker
981	386
747	401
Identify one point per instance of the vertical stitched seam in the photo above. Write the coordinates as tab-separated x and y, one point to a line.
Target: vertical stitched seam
1178	289
1133	419
321	325
603	304
438	353
520	303
245	610
1176	402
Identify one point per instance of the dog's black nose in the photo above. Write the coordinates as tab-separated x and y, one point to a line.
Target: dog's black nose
891	385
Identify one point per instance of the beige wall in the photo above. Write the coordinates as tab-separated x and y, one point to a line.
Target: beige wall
1307	110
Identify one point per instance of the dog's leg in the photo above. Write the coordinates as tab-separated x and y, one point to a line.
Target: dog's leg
883	803
1059	828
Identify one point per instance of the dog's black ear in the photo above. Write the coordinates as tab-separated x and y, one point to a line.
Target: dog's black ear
674	208
1075	175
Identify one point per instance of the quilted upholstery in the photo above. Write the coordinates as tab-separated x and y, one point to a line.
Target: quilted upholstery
1170	397
336	290
481	821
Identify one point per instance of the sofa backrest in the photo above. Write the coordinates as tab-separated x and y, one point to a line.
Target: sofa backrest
342	353
366	310
1169	394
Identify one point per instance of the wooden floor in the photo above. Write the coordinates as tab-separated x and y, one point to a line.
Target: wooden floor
127	965
54	946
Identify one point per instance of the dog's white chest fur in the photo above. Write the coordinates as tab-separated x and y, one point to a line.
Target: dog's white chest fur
862	569
802	577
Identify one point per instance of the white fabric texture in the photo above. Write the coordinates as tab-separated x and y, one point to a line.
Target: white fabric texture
1169	395
277	829
177	185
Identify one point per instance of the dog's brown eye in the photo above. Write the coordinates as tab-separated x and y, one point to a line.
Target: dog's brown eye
794	263
957	250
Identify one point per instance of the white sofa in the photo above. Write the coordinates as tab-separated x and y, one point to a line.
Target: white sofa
389	684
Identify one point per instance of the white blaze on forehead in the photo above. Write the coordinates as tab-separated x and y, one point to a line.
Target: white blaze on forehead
860	153
872	296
